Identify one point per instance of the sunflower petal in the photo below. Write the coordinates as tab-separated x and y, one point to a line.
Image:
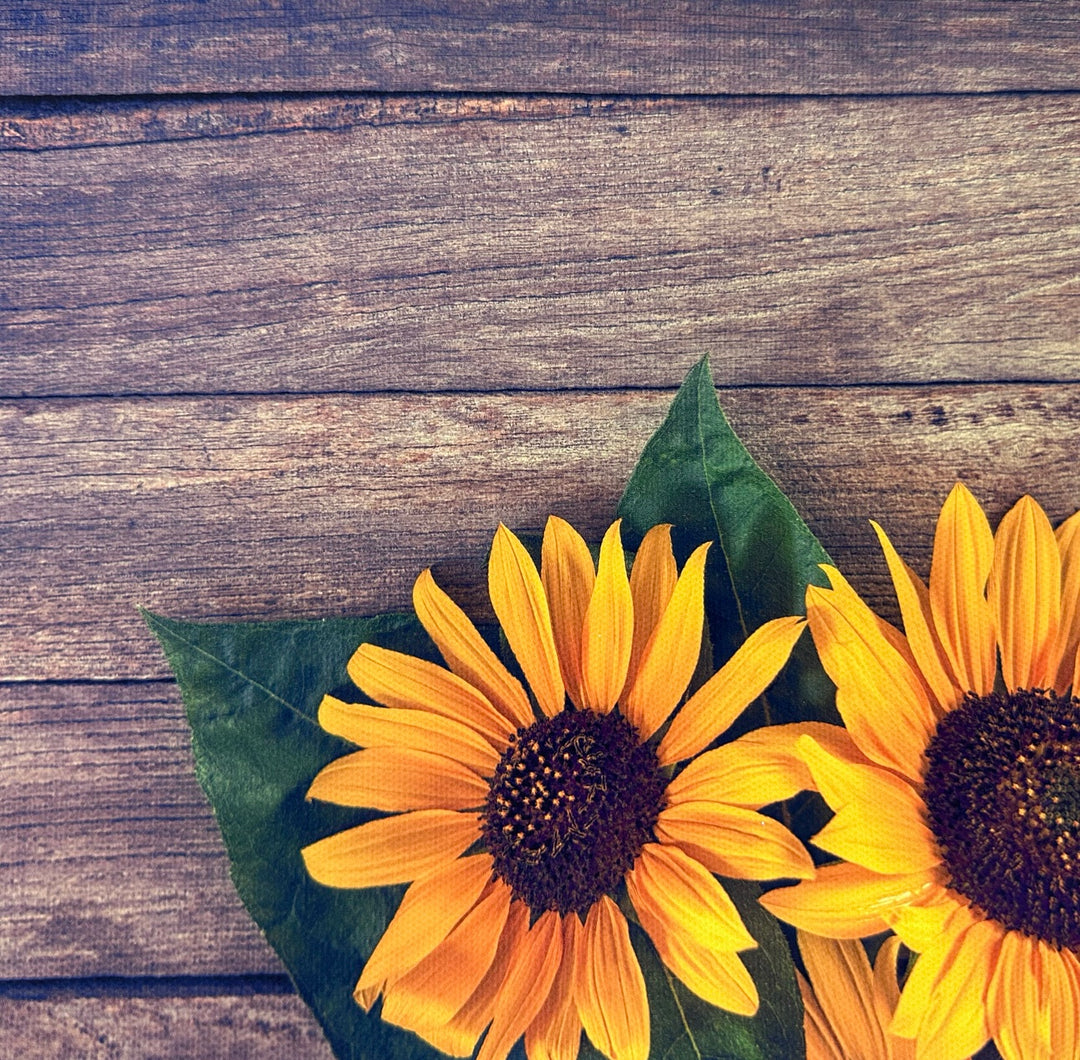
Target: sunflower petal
526	987
844	900
694	926
439	985
458	1036
759	767
878	820
555	1033
652	581
821	1043
844	986
404	682
1068	540
608	985
733	841
681	891
467	654
948	991
880	697
391	849
517	594
566	570
670	657
419	730
398	778
431	907
1035	1000
713	707
1024	592
914	600
608	631
963	552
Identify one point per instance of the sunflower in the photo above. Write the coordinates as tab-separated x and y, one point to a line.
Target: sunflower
956	788
521	821
847	1006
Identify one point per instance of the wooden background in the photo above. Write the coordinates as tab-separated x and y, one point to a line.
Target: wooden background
296	299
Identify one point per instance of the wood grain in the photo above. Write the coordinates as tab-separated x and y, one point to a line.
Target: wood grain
111	863
136	1028
311	506
693	46
318	245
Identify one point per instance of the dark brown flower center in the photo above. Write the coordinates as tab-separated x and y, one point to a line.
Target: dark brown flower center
574	799
1002	792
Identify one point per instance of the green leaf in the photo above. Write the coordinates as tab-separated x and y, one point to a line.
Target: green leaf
684	1027
696	474
251	692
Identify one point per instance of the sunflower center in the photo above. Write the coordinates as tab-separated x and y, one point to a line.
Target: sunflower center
1002	791
573	801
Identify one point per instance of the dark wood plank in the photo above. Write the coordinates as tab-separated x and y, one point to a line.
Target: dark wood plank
323	505
527	243
183	1028
532	243
695	46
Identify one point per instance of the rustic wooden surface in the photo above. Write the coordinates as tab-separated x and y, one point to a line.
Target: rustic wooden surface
295	304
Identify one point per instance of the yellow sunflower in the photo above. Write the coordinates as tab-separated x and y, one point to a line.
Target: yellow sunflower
520	819
956	789
847	1006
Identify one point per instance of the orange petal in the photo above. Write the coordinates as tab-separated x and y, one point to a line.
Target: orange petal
418	730
608	632
669	659
609	987
398	778
844	900
694	925
555	1033
526	987
467	653
963	552
517	594
431	907
760	767
682	893
391	849
879	819
652	581
566	569
733	841
945	995
1024	591
439	985
914	600
713	707
844	986
459	1035
1035	1000
1068	540
407	683
880	697
821	1043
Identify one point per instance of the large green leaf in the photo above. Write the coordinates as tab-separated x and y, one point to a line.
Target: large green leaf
251	692
696	474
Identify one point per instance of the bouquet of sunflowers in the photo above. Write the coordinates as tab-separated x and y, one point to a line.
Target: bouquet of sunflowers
687	797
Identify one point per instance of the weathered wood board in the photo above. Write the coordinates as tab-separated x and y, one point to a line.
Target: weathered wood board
242	1027
310	506
694	46
312	245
